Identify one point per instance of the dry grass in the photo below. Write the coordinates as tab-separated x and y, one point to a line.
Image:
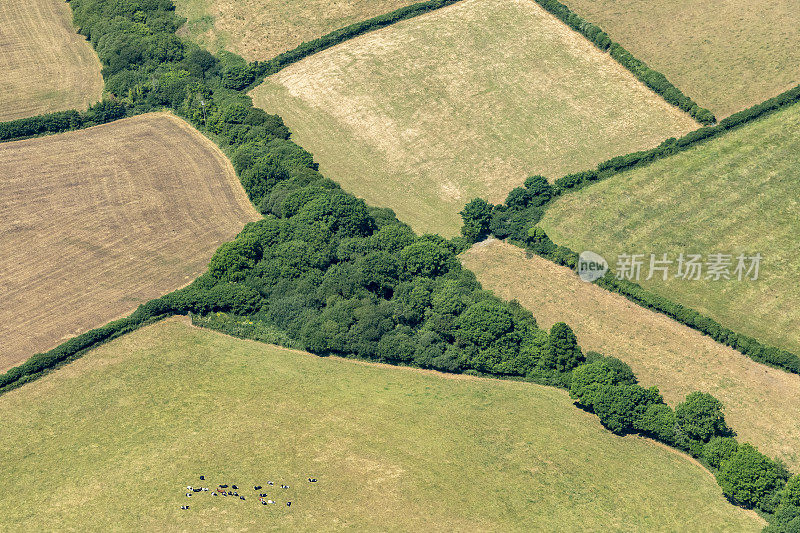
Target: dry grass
262	29
466	101
95	222
393	449
762	404
44	65
725	54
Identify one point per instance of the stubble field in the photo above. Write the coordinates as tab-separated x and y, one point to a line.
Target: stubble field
95	222
44	65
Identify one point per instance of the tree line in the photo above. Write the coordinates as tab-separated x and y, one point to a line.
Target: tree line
324	271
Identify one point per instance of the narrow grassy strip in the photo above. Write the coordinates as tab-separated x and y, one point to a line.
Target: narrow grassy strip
281	61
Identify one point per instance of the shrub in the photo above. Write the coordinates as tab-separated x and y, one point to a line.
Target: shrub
700	417
719	449
750	478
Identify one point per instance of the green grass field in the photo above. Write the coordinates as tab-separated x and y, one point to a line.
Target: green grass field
726	55
466	101
735	194
109	442
262	29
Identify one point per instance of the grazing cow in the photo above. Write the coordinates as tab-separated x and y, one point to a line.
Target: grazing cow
184	506
288	504
270	501
202	478
284	486
234	487
262	495
312	480
189	487
270	483
223	486
257	487
205	489
263	502
213	493
188	494
196	490
241	497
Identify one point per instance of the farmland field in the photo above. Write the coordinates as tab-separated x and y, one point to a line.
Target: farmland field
736	194
44	65
95	222
391	448
761	403
465	101
262	29
726	55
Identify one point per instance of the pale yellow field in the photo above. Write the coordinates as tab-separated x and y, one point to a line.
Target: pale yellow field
462	102
44	65
392	449
727	55
761	403
95	222
262	29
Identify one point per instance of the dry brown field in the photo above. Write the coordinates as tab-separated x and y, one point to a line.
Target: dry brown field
95	222
762	403
262	29
727	55
465	101
44	65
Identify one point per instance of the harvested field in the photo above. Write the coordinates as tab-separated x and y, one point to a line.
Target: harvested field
391	448
737	194
44	65
761	403
726	55
262	29
462	102
95	222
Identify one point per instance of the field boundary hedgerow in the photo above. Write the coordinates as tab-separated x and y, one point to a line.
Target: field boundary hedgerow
516	219
654	80
346	279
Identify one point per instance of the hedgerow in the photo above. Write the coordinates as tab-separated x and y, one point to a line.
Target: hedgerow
325	272
652	78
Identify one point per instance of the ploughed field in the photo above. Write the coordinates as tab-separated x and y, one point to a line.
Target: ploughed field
737	194
726	55
262	29
44	65
95	222
142	417
762	404
465	101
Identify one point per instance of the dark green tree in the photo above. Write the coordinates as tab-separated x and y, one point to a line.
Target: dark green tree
477	215
750	478
563	353
700	417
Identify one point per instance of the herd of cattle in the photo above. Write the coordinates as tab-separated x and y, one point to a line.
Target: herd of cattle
225	490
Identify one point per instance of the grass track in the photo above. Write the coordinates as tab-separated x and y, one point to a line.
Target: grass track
737	193
727	55
466	101
95	222
761	403
393	449
262	29
44	65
